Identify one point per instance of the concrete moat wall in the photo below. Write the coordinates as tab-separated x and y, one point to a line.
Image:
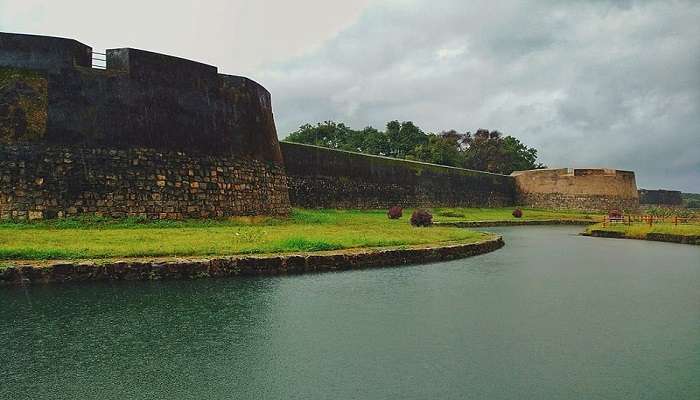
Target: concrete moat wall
149	135
579	189
325	178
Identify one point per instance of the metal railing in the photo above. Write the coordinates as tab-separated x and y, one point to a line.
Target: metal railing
99	60
649	219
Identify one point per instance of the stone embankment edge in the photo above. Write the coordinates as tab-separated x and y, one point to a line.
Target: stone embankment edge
477	224
162	269
656	237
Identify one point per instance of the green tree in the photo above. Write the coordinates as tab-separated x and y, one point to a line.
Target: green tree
490	151
439	150
327	134
403	138
374	142
520	157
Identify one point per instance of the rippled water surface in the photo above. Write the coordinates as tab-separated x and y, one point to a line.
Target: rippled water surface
550	316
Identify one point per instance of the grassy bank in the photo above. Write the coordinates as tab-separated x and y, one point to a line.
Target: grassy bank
687	233
305	230
505	214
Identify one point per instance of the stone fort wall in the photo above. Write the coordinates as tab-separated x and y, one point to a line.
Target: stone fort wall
580	189
326	178
48	182
660	197
151	135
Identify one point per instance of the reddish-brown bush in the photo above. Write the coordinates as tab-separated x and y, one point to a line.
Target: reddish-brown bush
395	212
421	218
517	213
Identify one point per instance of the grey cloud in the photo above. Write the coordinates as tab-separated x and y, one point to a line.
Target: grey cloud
589	84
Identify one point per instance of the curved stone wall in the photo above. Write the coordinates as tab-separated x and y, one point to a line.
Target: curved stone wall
151	135
264	265
578	189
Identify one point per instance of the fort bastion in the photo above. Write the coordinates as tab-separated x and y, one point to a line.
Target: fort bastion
150	135
577	189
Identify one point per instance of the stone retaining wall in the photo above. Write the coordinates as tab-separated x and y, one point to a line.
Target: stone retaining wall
241	265
653	236
46	182
476	224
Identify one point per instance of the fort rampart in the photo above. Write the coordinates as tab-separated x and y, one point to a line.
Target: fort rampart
580	189
325	178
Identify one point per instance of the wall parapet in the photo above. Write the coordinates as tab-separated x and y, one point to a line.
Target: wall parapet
36	52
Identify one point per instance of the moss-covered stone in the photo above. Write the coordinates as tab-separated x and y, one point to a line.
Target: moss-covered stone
23	105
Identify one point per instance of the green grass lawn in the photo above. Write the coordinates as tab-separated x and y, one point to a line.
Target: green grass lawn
305	230
505	214
640	230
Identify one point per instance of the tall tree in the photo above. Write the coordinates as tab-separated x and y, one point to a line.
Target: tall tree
403	138
490	151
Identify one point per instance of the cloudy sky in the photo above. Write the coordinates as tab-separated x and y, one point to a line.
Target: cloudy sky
599	83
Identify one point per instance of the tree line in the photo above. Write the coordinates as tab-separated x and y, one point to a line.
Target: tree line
482	150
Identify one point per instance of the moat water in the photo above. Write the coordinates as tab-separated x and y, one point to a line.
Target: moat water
550	316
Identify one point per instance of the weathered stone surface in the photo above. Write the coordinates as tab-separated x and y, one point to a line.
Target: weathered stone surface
142	99
44	182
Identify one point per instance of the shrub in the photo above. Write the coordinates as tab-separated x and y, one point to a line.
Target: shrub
421	218
615	214
517	213
395	212
693	204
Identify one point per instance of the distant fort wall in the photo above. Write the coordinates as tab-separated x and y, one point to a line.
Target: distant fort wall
151	135
324	178
580	189
660	197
